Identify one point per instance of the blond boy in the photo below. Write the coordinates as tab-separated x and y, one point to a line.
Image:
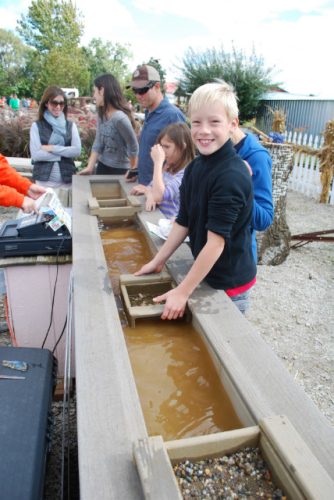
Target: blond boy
215	209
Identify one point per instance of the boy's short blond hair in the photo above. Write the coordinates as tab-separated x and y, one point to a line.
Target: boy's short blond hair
210	93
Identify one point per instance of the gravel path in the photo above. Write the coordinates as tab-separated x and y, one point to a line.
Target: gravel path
293	304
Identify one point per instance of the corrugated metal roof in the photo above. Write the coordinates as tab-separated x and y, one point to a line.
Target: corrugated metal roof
285	96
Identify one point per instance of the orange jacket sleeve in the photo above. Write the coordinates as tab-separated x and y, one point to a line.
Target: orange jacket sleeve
13	187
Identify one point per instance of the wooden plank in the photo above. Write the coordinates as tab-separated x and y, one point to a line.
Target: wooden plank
131	279
134	201
254	375
212	445
93	205
115	212
113	202
306	471
107	187
155	470
109	415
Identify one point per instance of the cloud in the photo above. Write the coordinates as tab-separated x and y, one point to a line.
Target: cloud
292	35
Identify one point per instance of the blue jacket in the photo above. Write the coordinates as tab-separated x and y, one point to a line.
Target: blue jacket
155	121
260	162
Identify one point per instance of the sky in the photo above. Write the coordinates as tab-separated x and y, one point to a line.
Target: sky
293	36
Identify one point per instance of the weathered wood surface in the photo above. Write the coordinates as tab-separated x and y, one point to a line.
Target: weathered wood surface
35	260
252	373
294	467
282	443
109	415
155	470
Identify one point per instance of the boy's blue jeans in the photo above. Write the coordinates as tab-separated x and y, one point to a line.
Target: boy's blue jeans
241	301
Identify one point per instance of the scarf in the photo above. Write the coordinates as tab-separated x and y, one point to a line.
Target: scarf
58	128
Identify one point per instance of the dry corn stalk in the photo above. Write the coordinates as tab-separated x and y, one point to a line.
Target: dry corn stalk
326	155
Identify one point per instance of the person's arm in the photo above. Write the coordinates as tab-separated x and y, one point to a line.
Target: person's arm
176	299
14	187
263	210
174	240
158	186
128	135
139	189
150	203
69	151
91	164
37	152
95	153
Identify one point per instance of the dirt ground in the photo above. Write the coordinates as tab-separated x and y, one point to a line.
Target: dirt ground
293	304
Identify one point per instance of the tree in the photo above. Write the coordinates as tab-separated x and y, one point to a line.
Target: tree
13	59
248	75
50	24
63	68
157	65
107	57
53	28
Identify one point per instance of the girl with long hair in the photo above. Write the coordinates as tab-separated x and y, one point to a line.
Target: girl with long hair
115	146
54	141
173	151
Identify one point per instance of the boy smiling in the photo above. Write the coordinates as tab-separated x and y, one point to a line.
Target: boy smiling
215	209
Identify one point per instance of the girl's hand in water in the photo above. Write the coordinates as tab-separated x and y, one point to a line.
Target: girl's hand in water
158	155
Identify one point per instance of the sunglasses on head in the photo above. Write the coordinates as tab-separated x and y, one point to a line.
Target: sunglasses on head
55	104
145	89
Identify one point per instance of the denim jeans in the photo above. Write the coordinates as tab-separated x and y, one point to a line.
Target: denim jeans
241	301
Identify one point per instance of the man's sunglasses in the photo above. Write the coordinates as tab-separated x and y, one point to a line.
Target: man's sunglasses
143	90
55	104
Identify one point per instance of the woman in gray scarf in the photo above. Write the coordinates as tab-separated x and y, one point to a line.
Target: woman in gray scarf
54	141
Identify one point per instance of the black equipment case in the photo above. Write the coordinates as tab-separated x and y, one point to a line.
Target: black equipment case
32	235
25	422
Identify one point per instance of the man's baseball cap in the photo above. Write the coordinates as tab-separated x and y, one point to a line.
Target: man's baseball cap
143	75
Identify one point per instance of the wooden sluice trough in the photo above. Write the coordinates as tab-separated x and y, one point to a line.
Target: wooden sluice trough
109	414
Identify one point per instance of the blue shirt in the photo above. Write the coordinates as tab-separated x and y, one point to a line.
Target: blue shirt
155	121
260	162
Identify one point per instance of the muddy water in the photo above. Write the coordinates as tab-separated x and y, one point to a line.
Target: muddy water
180	392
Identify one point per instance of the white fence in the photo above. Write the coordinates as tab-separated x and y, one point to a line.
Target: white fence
305	176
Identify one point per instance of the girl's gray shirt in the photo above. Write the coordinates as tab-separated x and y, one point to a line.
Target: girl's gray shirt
115	141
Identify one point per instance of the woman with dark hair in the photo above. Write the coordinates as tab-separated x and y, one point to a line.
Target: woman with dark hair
54	141
115	146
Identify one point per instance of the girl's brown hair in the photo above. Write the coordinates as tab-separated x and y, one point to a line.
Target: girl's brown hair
113	96
179	134
49	94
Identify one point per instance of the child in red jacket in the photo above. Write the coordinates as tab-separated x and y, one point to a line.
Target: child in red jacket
17	191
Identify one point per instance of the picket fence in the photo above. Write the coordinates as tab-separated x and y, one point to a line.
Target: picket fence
305	175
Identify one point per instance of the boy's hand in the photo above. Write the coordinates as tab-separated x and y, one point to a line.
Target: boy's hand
36	191
158	155
176	302
149	268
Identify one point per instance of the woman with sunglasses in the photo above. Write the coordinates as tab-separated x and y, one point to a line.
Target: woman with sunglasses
54	141
116	146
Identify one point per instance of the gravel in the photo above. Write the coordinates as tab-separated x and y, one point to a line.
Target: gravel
240	475
292	304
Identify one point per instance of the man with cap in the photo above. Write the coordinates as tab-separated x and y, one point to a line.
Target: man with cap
159	113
